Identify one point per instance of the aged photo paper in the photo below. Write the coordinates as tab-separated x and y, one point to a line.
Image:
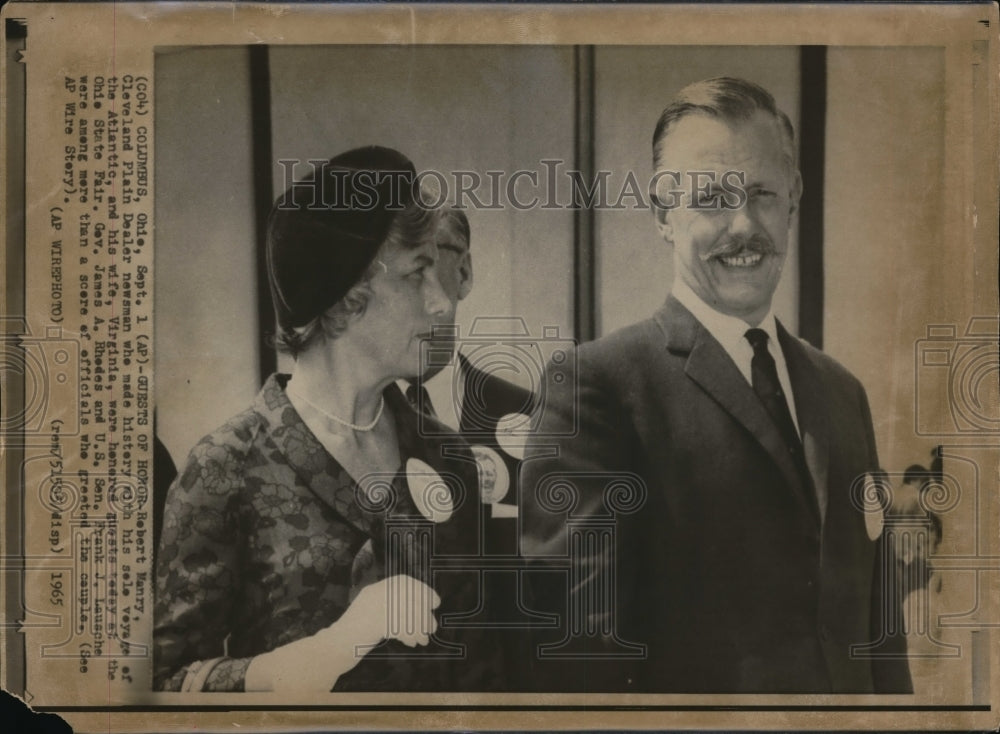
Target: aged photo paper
143	147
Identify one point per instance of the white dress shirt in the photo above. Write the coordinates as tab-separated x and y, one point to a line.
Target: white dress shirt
730	332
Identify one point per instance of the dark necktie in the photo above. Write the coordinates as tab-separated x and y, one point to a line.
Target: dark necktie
764	375
768	388
418	397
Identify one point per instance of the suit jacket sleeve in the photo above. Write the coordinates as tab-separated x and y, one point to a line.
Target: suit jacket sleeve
584	443
890	671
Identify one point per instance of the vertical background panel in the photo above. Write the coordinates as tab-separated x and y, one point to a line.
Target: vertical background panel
205	309
884	213
892	269
633	85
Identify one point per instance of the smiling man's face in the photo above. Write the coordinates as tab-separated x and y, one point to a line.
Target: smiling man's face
731	258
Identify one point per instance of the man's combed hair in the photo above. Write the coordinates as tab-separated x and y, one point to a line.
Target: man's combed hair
457	217
723	97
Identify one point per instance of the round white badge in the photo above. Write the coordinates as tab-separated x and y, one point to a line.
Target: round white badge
512	432
874	514
428	491
494	479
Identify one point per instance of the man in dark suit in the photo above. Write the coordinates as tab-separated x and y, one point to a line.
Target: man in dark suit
727	454
463	396
479	405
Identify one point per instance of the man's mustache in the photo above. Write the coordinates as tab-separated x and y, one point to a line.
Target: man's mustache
729	246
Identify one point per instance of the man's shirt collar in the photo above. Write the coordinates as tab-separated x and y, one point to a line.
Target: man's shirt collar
446	391
726	329
730	332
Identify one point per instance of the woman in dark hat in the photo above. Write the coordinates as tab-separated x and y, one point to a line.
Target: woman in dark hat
273	570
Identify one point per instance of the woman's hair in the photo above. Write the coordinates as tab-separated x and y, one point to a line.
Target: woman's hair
410	228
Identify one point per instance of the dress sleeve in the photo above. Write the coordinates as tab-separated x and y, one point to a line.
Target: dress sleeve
197	572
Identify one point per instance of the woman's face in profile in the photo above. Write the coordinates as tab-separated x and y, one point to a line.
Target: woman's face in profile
406	300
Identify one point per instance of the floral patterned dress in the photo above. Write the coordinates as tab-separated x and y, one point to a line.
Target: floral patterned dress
266	540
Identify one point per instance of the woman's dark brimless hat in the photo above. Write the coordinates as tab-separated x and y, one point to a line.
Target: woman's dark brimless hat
326	229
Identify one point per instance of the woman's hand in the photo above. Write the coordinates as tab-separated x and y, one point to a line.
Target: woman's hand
399	607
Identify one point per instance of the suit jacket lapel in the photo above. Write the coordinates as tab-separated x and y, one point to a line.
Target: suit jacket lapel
710	366
811	413
487	399
471	392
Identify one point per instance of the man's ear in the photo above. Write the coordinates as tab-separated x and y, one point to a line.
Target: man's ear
795	194
663	224
465	275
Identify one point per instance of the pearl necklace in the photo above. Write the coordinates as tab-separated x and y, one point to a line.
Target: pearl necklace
353	426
